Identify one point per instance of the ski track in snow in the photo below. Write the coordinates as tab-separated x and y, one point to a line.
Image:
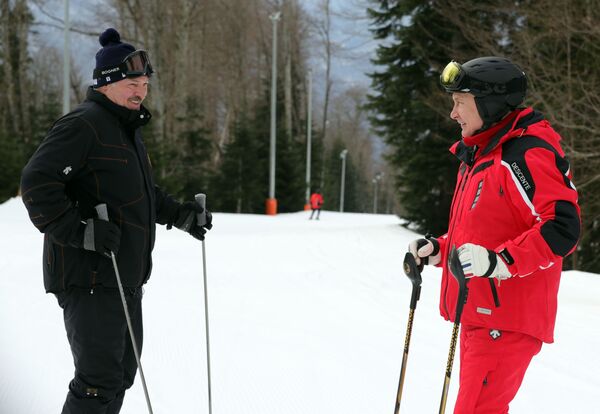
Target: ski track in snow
306	317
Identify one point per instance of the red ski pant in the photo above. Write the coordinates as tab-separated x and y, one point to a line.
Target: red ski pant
492	370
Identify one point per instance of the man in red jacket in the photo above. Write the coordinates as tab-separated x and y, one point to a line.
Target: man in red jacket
316	201
513	218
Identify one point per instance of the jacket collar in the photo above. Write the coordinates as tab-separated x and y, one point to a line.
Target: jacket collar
515	123
130	119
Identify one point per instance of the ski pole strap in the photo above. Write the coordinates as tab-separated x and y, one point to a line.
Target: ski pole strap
493	258
436	249
102	211
436	244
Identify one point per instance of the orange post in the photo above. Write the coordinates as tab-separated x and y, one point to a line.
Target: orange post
306	206
271	205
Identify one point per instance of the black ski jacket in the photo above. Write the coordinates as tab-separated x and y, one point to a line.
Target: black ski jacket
90	156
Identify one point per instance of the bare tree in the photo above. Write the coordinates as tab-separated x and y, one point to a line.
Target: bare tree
322	26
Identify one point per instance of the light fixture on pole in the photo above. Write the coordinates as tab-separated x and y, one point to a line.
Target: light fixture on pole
66	61
376	180
343	157
271	204
308	139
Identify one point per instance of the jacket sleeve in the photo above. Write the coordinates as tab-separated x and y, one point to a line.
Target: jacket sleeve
58	160
538	182
443	241
166	207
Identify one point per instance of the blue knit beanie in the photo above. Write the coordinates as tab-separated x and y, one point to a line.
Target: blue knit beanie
109	57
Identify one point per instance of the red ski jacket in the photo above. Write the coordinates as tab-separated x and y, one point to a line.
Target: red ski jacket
316	201
513	195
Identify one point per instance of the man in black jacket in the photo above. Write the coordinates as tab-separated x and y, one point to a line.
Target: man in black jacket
95	155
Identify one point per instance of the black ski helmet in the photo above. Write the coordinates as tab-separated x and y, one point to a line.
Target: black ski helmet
499	86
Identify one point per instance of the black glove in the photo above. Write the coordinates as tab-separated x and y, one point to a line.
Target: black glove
208	224
101	236
187	219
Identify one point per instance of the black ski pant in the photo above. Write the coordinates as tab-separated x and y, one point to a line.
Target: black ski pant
318	210
105	364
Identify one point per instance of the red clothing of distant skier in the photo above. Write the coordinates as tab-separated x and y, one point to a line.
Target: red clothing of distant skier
513	195
316	201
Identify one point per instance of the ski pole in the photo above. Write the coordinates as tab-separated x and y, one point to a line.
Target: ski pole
201	200
414	274
459	275
102	211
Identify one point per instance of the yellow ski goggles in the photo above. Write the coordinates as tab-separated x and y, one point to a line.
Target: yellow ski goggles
452	76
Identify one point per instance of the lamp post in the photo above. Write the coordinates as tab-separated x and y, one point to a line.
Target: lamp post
376	180
66	61
271	204
308	139
343	157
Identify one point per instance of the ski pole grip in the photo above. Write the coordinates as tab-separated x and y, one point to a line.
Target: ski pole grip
102	211
414	274
201	200
458	273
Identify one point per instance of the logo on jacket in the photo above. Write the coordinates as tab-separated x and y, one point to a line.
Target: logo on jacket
67	170
495	334
520	176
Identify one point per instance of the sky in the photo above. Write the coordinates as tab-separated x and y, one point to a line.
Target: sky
350	32
354	46
50	32
306	317
354	43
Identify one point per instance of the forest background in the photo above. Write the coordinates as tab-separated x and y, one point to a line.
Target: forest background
210	98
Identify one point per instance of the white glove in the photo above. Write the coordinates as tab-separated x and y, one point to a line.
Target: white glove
426	251
479	261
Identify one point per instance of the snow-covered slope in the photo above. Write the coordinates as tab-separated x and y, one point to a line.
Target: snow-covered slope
305	317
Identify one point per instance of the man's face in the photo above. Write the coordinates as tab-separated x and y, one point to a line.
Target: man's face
129	92
465	113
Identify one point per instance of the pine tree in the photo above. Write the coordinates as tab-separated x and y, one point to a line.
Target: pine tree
23	119
331	190
411	112
181	164
356	189
240	184
290	168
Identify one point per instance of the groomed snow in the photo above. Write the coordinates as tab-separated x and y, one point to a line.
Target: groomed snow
305	317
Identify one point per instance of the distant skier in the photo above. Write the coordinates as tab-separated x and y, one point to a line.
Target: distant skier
316	201
513	219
